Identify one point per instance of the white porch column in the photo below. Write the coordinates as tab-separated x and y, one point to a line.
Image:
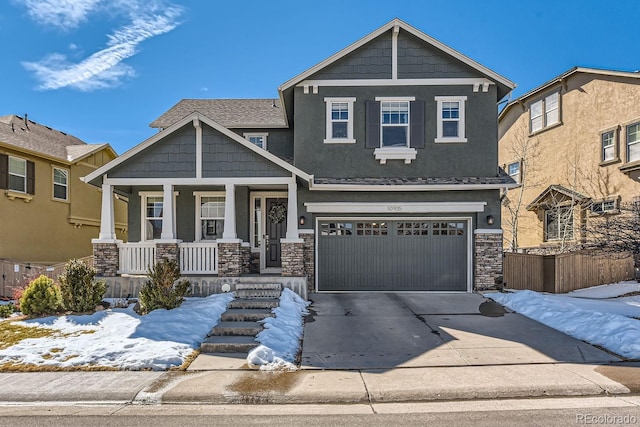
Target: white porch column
107	220
229	231
292	211
168	221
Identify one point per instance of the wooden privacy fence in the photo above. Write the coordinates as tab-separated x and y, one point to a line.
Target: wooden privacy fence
16	275
565	272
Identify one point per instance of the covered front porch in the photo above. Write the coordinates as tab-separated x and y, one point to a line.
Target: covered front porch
212	227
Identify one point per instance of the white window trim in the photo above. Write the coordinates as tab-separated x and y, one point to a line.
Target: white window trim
199	195
515	176
53	184
24	177
264	135
143	210
395	153
329	128
462	137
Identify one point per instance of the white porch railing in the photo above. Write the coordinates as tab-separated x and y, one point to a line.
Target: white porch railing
136	258
198	258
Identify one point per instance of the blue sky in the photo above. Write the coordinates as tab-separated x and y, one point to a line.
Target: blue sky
102	70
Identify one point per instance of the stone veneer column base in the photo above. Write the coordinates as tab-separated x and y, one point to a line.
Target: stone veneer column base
309	256
168	251
107	259
292	257
487	271
230	259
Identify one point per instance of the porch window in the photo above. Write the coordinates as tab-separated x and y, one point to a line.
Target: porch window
211	217
558	223
153	217
257	222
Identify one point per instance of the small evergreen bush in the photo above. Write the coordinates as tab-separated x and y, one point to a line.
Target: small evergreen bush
42	296
80	292
6	310
159	291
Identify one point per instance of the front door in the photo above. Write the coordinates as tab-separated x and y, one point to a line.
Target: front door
276	228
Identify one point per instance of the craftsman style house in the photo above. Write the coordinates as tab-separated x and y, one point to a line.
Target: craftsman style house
374	170
48	214
574	145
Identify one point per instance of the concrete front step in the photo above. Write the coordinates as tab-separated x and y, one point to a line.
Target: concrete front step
228	344
263	286
236	328
246	314
251	303
257	293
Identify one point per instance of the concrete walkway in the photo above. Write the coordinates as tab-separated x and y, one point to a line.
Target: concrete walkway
370	348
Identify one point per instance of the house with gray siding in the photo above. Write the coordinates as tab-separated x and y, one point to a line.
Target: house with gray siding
374	170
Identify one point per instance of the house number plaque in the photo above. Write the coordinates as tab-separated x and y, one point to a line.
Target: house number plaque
394	208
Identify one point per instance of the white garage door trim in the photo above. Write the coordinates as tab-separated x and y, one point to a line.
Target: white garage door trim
399	218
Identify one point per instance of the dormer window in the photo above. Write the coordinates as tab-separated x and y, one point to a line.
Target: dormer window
258	139
339	121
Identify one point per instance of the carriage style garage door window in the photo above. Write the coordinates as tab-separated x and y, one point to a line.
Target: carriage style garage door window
393	255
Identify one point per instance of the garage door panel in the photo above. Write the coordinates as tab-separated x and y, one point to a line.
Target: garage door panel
369	255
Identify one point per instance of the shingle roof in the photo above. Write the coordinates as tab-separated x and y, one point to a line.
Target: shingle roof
34	137
230	113
491	180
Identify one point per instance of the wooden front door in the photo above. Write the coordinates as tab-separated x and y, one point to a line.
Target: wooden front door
276	229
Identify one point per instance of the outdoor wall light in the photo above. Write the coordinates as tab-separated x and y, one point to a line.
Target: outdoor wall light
490	219
302	219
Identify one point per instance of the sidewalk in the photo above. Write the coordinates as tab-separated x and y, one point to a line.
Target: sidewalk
236	386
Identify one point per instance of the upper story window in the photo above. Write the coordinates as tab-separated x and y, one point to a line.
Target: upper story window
394	123
513	169
633	142
608	143
210	216
545	112
17	174
60	184
451	119
258	139
339	120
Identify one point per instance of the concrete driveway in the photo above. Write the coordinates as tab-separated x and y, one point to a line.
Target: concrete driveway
390	330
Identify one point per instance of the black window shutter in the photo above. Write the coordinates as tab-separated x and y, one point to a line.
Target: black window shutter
31	177
4	171
372	137
417	124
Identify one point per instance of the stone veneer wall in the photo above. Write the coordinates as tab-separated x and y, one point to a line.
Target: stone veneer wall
254	262
107	259
488	261
168	251
245	252
309	256
292	256
230	260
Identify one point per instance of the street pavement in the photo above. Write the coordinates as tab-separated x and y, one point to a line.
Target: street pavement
369	349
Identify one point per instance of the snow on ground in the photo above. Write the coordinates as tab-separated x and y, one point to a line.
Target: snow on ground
281	336
604	321
120	338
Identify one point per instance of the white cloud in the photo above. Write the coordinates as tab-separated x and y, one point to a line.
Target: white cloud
63	14
104	68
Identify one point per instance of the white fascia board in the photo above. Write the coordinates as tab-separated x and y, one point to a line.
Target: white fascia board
200	181
179	124
398	82
436	187
391	207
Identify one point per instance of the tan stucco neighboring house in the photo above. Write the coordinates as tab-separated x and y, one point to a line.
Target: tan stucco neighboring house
48	214
574	145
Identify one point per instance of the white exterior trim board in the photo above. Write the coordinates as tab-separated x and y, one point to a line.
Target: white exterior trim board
391	207
200	181
409	187
397	82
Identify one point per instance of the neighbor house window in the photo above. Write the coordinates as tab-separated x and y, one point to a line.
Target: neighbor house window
210	216
558	223
153	207
608	141
17	174
394	123
451	119
545	112
258	139
633	142
60	184
513	169
339	120
605	206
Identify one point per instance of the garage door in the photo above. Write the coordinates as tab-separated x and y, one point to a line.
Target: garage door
395	255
